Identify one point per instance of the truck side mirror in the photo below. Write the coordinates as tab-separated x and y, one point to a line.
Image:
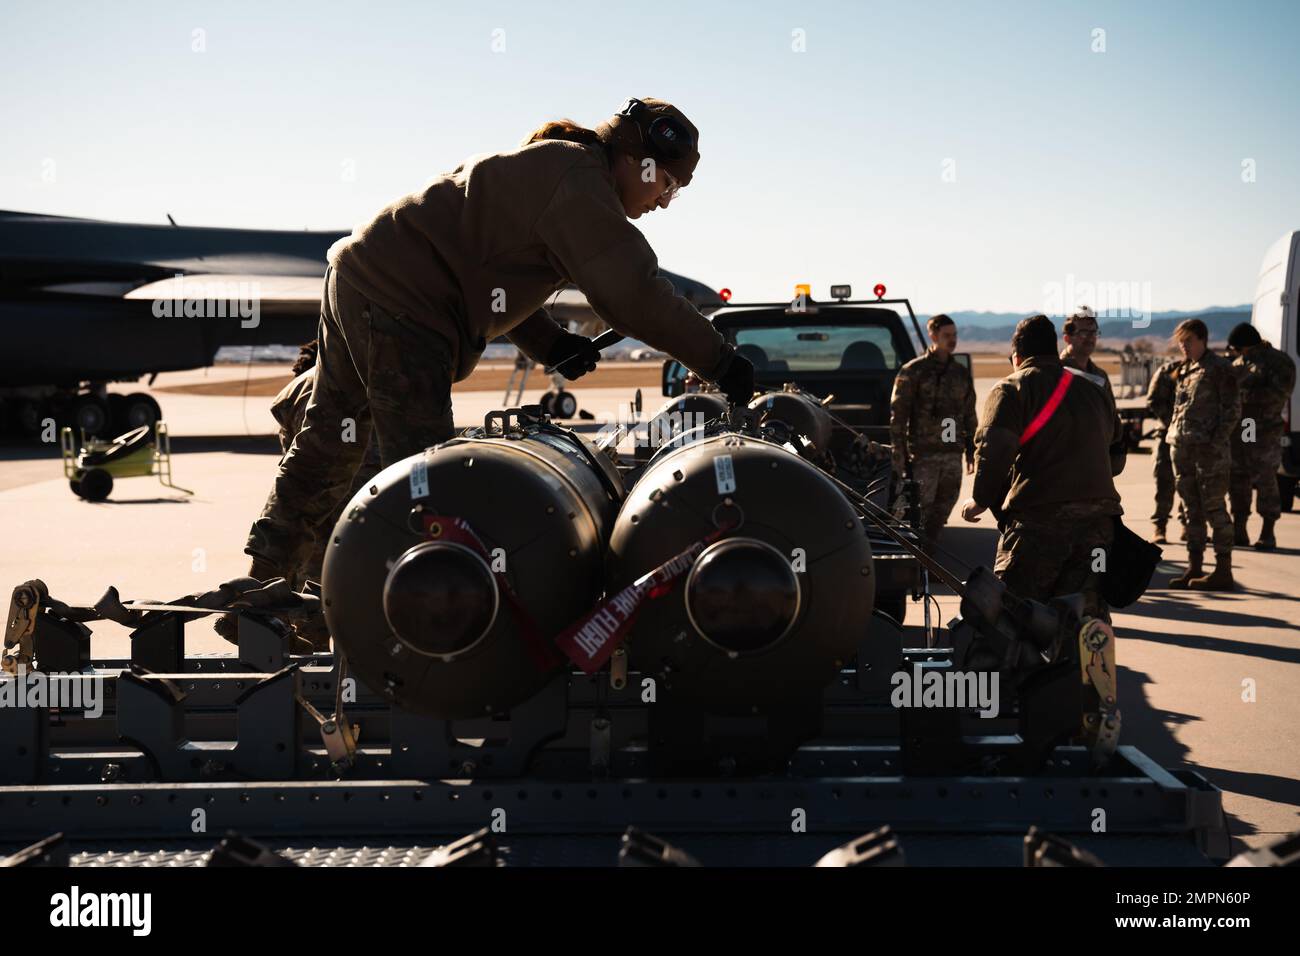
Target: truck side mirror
964	359
674	378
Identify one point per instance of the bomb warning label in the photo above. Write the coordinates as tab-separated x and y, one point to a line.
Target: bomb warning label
725	473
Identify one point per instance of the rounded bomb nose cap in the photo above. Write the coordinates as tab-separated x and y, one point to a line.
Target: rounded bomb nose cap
440	598
742	595
655	128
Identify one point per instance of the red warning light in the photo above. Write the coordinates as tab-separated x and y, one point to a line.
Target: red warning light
879	290
724	295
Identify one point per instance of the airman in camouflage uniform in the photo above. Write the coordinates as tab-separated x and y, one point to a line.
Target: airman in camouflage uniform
413	297
1160	405
372	364
1043	467
1081	333
932	423
290	409
1266	377
1207	409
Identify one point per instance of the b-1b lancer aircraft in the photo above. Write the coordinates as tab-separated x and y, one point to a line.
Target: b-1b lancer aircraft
85	302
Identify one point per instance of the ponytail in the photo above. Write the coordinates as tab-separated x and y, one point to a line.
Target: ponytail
565	129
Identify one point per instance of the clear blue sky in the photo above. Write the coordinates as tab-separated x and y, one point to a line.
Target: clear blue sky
824	165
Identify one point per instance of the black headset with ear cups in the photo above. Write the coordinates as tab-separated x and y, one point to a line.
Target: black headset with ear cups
665	136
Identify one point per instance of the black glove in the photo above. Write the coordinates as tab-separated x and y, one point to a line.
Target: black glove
737	382
573	356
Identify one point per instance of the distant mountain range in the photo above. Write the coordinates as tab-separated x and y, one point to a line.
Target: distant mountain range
998	326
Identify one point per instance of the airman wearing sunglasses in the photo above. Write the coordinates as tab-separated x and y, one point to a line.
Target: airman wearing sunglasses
413	296
1080	334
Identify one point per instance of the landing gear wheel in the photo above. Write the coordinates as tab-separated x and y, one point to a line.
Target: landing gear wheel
135	410
88	415
30	416
565	404
95	485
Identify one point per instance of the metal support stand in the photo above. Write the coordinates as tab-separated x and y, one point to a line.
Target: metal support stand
24	742
263	643
151	717
160	645
429	748
60	647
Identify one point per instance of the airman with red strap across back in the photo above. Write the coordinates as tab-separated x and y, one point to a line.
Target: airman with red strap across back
1042	460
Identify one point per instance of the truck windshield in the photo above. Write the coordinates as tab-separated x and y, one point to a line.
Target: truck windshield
818	348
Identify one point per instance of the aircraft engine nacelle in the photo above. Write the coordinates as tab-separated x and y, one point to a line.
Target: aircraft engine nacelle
448	575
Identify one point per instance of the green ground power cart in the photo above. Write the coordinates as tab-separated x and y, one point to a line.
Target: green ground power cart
139	453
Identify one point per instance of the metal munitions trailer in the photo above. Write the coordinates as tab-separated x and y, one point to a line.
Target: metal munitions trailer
189	748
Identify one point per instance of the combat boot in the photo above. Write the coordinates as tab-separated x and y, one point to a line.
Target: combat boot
1240	535
1193	570
1218	580
1160	534
1266	541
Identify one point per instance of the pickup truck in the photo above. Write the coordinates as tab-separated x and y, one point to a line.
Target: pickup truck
851	350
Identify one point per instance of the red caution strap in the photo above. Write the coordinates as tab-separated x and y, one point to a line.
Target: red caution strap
1047	411
591	641
594	637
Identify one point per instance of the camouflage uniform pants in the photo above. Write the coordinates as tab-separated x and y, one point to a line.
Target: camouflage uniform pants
369	467
1043	559
1254	466
938	478
370	362
1201	472
1163	470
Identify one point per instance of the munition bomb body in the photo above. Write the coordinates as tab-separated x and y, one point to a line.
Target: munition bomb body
445	585
767	613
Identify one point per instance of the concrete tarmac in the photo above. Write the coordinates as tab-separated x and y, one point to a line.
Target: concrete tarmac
1207	681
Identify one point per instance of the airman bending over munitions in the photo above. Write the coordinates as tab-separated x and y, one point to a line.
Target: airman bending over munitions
413	296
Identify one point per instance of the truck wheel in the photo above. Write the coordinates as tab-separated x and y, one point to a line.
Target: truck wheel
135	410
96	484
1286	491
